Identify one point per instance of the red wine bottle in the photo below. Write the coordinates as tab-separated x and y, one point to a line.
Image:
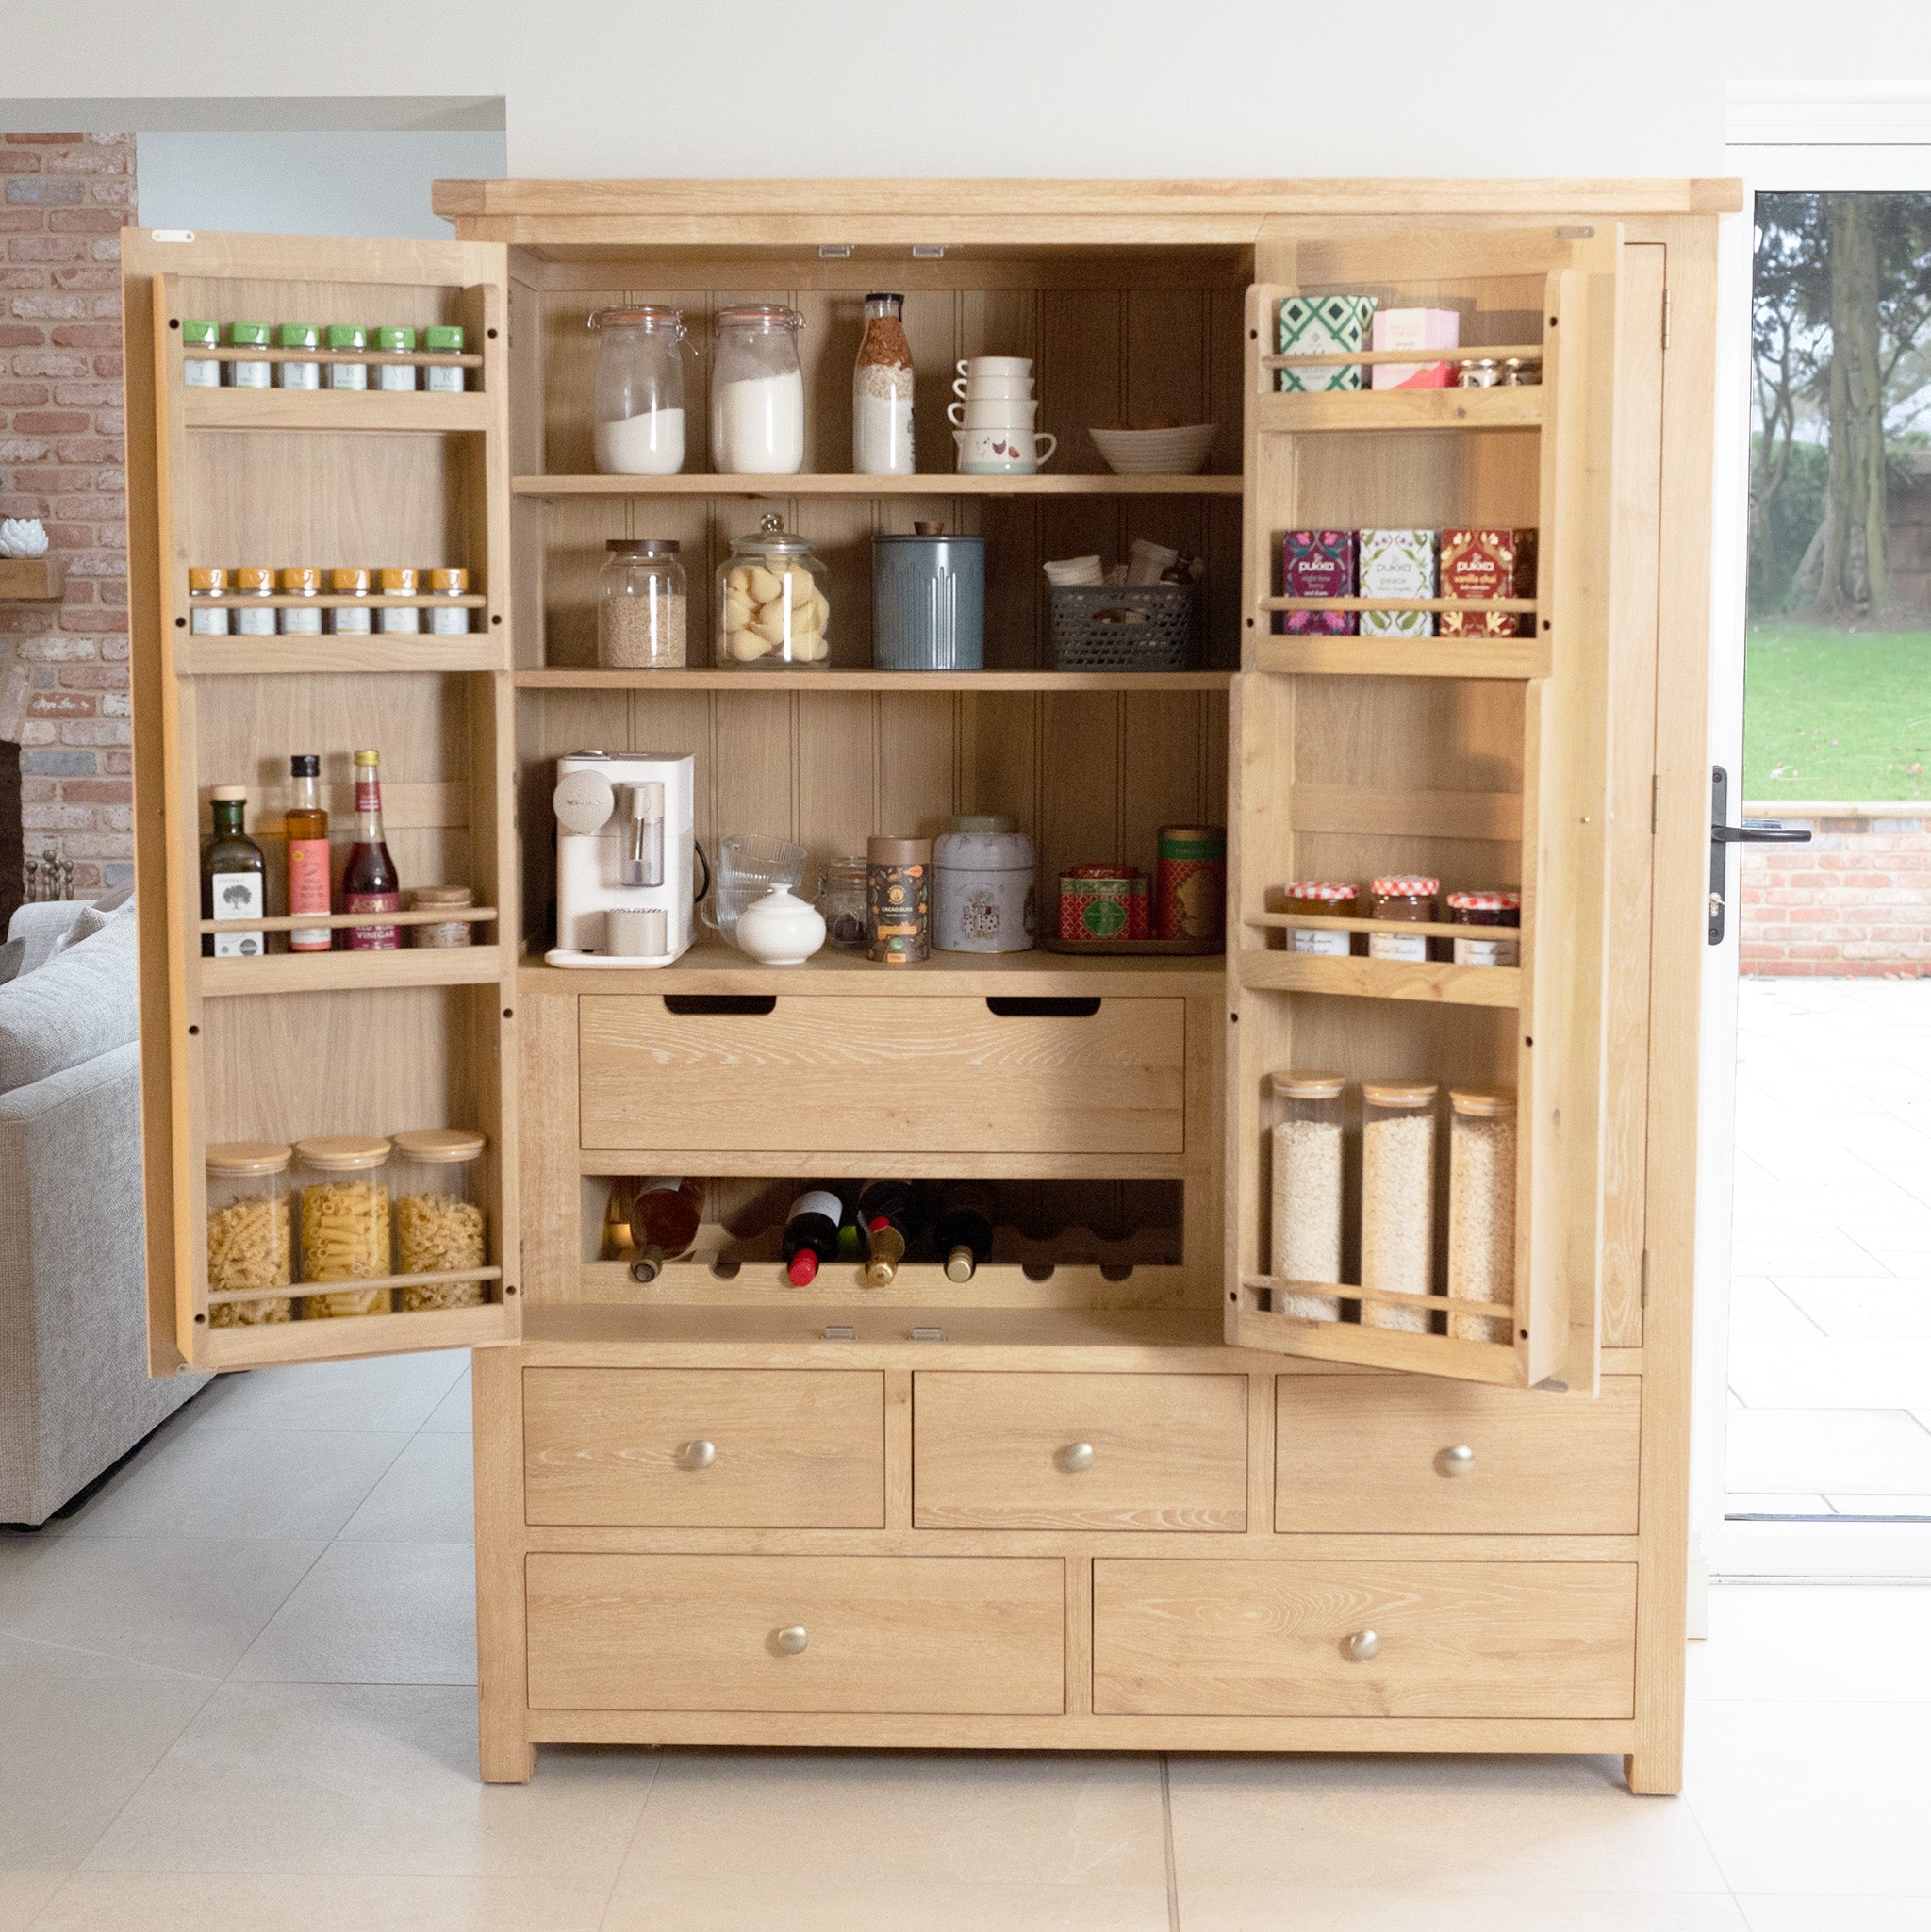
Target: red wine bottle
811	1234
370	883
962	1232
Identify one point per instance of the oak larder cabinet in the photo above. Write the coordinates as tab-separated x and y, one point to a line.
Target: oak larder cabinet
1109	1494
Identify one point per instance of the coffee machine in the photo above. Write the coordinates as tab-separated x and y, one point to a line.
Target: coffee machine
626	859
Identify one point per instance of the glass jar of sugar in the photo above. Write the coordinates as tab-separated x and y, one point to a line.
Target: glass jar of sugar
638	404
1397	1200
1307	1152
1481	1210
757	392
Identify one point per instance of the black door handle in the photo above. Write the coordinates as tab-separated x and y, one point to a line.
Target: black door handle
1722	835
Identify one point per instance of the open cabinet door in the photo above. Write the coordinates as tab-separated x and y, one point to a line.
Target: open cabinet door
271	1045
1477	755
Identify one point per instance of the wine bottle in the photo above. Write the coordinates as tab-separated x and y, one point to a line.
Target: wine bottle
232	878
664	1222
886	1212
617	1241
962	1232
811	1234
370	883
308	829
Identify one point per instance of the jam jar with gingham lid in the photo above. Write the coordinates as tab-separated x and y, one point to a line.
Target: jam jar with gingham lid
1411	901
1321	898
1486	909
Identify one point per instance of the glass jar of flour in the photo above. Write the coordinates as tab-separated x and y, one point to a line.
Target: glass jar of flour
638	405
757	392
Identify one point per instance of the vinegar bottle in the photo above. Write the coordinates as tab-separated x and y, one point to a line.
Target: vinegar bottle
307	827
664	1222
370	883
811	1234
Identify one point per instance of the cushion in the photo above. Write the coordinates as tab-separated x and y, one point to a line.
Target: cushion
82	1004
43	923
11	953
91	918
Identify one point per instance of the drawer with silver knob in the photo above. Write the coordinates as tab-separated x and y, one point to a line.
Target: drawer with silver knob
998	1450
1410	1455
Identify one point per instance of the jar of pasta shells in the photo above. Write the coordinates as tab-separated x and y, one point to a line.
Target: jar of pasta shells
440	1224
343	1181
772	610
248	1232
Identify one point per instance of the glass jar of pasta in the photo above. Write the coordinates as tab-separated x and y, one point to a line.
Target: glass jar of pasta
440	1224
345	1221
248	1232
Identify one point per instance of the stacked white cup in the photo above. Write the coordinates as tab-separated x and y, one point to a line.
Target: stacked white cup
992	422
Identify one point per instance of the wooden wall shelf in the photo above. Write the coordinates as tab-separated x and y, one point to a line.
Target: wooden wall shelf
1403	658
937	483
1383	979
232	657
350	972
1292	413
440	411
569	679
32	580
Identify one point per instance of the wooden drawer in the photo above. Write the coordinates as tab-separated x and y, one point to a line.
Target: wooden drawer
998	1451
914	1073
941	1634
1231	1639
788	1448
1378	1453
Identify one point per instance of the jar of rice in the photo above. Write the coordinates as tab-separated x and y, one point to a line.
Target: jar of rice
345	1221
440	1224
248	1232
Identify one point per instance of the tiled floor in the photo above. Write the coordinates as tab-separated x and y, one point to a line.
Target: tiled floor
234	1696
1830	1312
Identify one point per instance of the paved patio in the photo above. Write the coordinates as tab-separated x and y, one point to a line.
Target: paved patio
1830	1317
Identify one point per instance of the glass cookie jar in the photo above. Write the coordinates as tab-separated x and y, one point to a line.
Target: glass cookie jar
345	1221
772	610
441	1223
248	1231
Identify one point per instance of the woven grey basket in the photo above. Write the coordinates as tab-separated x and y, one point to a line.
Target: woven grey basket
1164	641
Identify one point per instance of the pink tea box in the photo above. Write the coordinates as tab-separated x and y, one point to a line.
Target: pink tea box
1414	328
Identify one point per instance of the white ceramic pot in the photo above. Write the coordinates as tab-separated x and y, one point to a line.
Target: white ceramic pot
780	929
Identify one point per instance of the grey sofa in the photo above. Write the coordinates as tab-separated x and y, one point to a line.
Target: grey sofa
74	1393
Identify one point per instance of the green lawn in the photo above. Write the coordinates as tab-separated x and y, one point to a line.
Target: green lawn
1837	714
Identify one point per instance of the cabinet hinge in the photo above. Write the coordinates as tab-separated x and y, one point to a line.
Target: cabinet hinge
1645	1278
1656	801
1666	318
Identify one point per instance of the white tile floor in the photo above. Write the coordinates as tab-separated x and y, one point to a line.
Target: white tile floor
236	1696
1830	1310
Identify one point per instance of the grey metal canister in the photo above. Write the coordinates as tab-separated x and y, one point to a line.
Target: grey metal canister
928	601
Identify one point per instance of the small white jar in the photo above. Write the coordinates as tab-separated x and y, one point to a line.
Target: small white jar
780	929
984	887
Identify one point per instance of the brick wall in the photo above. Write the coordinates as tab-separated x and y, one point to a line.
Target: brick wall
63	668
1854	902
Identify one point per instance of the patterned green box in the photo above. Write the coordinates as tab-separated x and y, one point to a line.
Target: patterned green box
1324	325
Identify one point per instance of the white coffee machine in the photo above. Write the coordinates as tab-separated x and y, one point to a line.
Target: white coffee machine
625	859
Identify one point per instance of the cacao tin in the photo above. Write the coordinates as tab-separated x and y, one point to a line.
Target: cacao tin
897	898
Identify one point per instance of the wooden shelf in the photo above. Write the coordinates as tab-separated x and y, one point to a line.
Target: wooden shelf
751	1280
335	1338
927	483
830	680
32	580
1426	929
345	922
416	358
1383	979
1469	352
1295	413
437	410
350	972
1402	657
205	657
330	599
1477	605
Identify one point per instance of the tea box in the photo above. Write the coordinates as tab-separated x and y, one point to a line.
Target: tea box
1104	902
1416	328
1397	563
1324	325
1318	563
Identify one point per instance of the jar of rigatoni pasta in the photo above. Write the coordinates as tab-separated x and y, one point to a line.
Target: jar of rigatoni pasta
248	1232
343	1182
440	1225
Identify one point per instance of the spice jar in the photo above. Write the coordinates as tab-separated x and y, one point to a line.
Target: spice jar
984	878
449	619
256	579
248	1231
1397	1199
1482	1210
772	610
206	619
641	605
399	619
298	375
395	375
304	581
757	392
243	374
1486	909
444	338
1321	898
897	901
842	901
345	1221
638	402
1409	900
1307	1147
441	899
882	392
1479	372
350	619
441	1223
1517	375
199	371
347	375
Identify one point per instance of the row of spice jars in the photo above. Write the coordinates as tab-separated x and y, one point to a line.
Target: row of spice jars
208	618
1408	901
1396	1189
205	370
345	1208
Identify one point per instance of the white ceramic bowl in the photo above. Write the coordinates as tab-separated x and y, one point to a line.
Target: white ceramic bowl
1155	452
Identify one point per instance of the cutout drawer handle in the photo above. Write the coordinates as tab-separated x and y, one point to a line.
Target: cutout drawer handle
1457	1460
1069	1006
698	1455
704	1005
792	1639
1076	1457
1360	1645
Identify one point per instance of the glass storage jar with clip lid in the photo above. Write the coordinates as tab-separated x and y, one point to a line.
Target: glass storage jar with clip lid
639	403
757	392
441	1226
248	1232
772	610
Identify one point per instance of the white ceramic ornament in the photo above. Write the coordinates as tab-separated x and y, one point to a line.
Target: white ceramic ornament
22	537
780	929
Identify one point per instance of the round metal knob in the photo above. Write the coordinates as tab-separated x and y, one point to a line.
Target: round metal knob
1076	1457
1360	1645
792	1639
698	1455
1457	1460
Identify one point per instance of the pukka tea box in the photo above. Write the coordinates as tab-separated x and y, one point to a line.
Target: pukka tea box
1318	563
1482	564
1324	325
1416	328
1396	563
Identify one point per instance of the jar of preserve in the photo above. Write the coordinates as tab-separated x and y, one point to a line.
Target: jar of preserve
641	605
1482	1210
248	1231
638	402
772	610
345	1221
1411	901
444	899
205	617
757	392
1321	898
1397	1199
442	1226
1306	1149
1486	909
842	901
